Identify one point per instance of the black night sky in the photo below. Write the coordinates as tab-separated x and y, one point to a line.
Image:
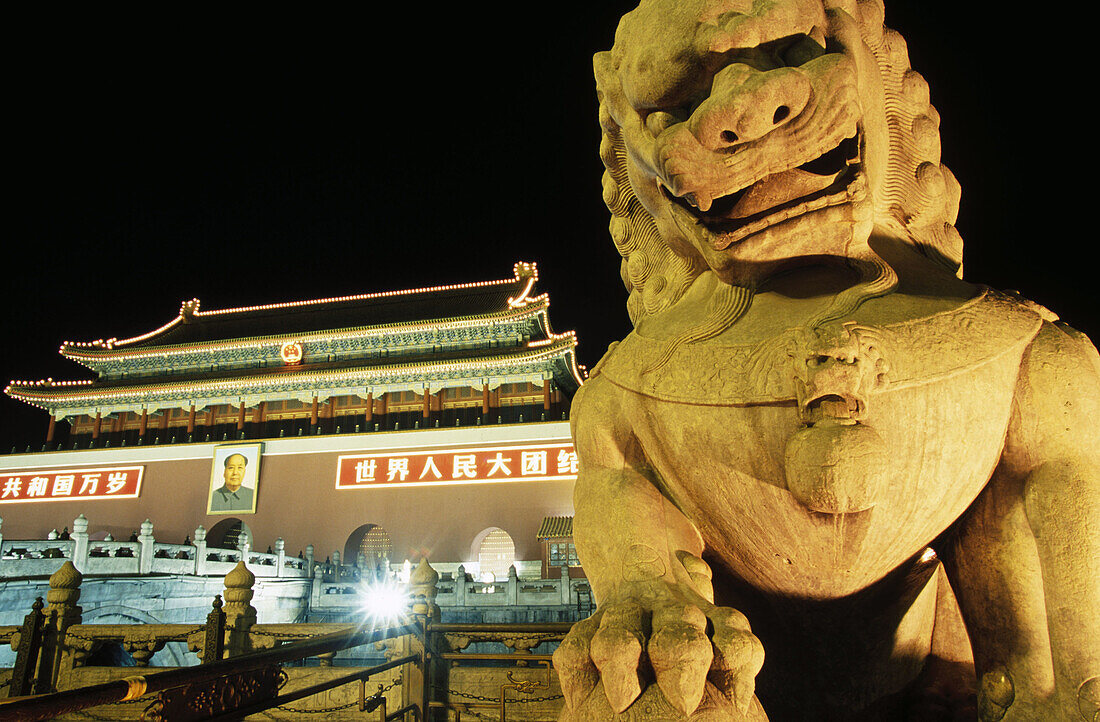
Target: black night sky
156	159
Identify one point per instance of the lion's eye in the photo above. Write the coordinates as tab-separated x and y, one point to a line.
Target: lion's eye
790	51
801	50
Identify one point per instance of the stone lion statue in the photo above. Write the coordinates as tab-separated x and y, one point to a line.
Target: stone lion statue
824	478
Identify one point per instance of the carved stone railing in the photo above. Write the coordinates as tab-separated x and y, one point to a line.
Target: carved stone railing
464	675
53	647
462	591
142	554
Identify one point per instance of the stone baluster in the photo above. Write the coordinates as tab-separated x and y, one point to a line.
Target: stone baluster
240	615
566	597
423	588
52	535
244	544
64	593
62	613
80	542
145	562
200	551
460	586
310	560
512	589
142	645
280	556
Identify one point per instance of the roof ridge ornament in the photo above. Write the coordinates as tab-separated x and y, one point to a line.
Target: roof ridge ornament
189	309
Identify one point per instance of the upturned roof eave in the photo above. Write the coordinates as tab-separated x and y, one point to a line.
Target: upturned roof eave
93	357
522	271
36	395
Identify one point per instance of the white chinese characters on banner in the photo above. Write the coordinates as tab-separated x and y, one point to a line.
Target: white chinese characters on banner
68	484
455	466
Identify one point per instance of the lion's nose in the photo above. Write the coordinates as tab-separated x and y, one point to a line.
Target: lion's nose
746	104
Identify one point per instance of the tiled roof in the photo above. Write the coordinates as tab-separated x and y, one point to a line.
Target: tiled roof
195	326
555	527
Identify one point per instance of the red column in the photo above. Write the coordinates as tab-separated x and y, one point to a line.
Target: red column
144	422
97	425
50	428
427	402
313	413
370	408
191	420
240	418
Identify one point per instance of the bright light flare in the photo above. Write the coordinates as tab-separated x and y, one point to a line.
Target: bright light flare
385	602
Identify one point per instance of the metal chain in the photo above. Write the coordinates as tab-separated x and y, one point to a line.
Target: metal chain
284	635
321	710
181	637
496	700
299	710
500	636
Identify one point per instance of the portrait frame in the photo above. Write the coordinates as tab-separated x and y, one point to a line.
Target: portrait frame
220	500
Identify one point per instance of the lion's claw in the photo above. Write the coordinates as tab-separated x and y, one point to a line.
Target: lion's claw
572	660
681	655
616	649
609	646
739	657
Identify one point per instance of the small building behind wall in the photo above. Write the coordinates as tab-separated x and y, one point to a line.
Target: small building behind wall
402	423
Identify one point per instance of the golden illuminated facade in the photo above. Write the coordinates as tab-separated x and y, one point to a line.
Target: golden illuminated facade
381	425
465	354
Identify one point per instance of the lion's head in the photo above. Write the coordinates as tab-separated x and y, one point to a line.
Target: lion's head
742	135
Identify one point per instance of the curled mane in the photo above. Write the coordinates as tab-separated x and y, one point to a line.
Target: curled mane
917	200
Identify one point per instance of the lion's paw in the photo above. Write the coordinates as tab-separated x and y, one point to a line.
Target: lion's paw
626	643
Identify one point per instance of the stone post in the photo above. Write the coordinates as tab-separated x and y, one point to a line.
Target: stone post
460	586
336	567
200	551
240	615
512	590
145	562
566	596
310	560
80	542
280	556
423	588
244	544
62	613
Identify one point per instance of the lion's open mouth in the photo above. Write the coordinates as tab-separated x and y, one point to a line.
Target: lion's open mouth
841	408
778	196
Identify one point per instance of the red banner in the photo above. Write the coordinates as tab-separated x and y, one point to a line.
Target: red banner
477	465
49	485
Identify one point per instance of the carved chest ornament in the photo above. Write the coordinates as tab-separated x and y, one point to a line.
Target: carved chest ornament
835	462
801	364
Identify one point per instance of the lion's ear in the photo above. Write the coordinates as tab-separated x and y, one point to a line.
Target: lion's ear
604	66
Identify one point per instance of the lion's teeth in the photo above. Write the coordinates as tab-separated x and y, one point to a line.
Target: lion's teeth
700	202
